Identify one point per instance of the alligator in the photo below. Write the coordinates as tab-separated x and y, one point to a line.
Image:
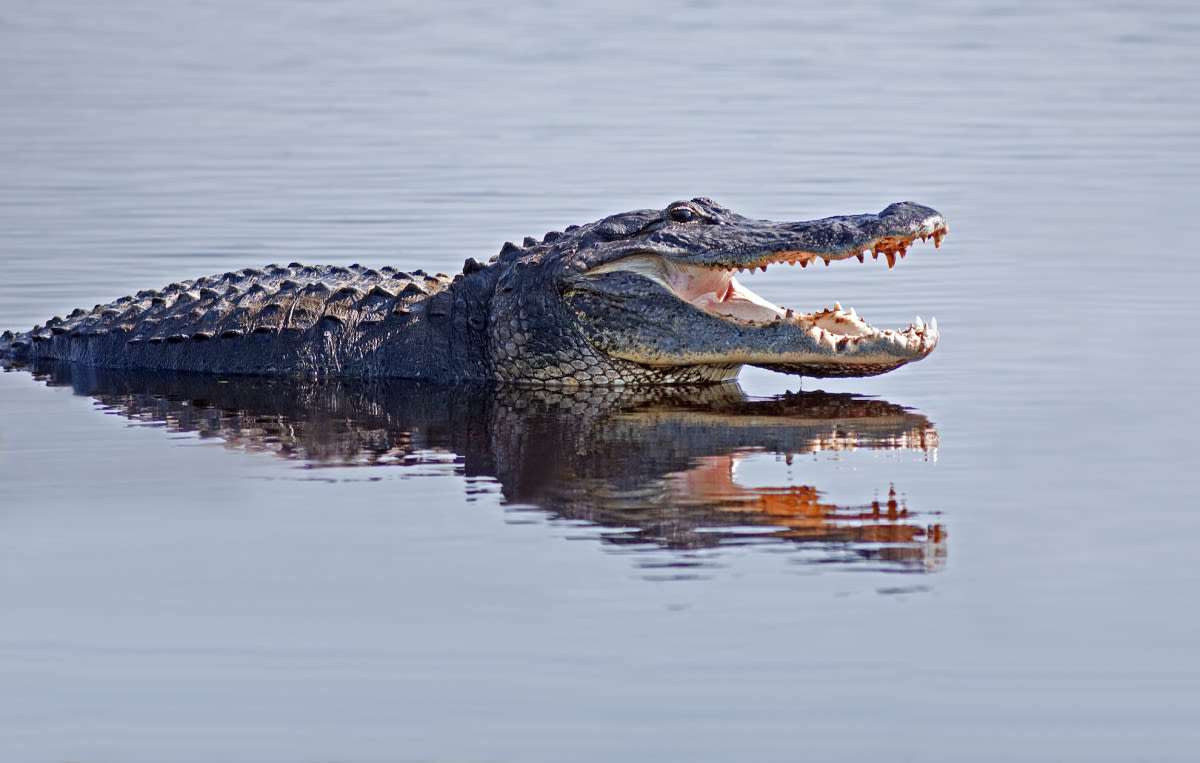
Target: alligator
640	298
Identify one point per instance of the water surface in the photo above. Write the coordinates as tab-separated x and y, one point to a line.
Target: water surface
788	569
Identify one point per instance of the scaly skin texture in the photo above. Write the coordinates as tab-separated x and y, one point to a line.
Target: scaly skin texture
644	297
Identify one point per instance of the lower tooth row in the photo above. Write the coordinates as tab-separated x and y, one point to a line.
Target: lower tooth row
917	335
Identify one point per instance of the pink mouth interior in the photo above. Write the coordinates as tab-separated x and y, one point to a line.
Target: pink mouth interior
717	291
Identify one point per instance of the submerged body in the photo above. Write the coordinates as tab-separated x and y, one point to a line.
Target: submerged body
644	297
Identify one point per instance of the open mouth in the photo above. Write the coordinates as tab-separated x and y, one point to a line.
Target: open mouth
717	292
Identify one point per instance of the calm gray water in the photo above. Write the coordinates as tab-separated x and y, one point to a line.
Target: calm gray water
182	584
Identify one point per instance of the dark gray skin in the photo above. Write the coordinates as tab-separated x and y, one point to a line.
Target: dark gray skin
644	297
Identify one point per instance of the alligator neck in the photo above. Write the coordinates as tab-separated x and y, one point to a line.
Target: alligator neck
441	337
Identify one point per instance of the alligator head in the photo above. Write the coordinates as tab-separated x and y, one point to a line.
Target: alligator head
651	297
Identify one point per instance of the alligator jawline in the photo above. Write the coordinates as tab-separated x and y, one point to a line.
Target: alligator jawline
717	292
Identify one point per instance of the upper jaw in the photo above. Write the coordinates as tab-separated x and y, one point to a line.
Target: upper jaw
744	243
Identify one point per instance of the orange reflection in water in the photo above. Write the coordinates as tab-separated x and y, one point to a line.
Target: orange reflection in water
882	529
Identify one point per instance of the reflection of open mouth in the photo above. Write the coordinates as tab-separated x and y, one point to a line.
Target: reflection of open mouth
885	532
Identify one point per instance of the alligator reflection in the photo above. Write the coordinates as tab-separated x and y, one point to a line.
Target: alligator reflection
646	469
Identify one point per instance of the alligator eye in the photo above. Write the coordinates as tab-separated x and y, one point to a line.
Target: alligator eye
682	214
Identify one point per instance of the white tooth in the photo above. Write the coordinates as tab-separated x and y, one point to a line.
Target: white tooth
920	324
933	326
852	314
837	307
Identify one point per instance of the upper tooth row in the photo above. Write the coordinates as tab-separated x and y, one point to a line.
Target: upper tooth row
901	250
